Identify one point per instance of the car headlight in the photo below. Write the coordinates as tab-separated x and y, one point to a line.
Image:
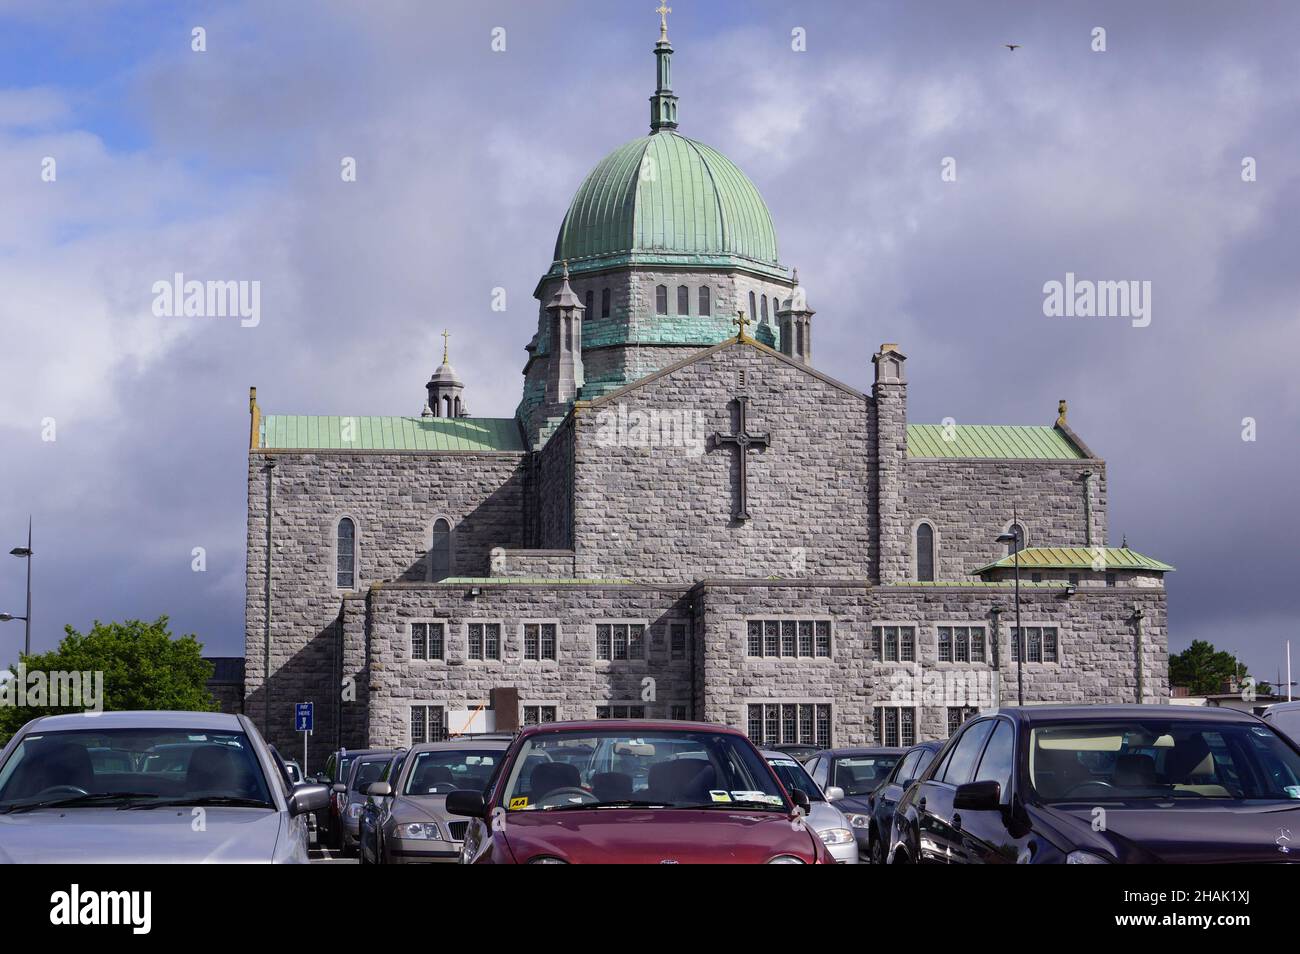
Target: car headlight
1085	858
425	830
354	810
786	860
547	860
860	821
837	836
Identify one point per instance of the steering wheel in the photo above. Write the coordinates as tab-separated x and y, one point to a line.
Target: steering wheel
569	795
71	789
1095	783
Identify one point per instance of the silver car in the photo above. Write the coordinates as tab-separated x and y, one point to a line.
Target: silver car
1285	718
830	824
161	787
416	826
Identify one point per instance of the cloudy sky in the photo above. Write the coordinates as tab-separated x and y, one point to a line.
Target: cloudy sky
1117	165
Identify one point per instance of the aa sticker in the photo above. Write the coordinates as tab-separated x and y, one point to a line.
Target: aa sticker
720	796
520	802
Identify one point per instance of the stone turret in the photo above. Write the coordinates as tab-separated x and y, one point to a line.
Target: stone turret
564	373
794	318
446	391
890	399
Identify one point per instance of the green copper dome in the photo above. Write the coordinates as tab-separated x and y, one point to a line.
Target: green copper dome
665	199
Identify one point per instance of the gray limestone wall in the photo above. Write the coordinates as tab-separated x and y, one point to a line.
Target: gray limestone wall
655	503
394	500
555	490
575	682
1099	651
970	502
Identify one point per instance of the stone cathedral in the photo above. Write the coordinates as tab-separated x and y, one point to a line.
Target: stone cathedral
684	519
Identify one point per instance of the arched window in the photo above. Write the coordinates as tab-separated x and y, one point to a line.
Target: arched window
706	307
446	405
661	299
683	300
753	307
604	303
440	551
457	407
765	308
588	301
925	553
346	555
1013	546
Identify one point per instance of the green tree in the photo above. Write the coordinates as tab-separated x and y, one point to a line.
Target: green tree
1203	669
143	668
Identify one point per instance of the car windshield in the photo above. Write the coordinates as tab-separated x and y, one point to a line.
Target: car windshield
793	777
443	771
367	771
145	766
655	768
860	774
1161	759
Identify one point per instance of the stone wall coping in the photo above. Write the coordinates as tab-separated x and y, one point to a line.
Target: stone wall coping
379	452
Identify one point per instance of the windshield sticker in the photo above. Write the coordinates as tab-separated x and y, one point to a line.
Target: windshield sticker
719	796
763	797
1292	791
519	802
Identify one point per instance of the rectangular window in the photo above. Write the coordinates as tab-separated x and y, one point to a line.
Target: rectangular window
789	723
619	642
677	713
428	724
427	640
957	716
706	307
963	644
894	643
484	640
536	715
683	300
620	711
604	303
1042	644
789	638
539	641
677	641
895	726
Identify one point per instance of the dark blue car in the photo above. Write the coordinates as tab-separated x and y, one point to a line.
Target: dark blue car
882	802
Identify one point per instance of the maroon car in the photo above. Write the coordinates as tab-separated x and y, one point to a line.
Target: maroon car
638	792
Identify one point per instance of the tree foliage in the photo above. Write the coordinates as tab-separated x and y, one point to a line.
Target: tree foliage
1203	669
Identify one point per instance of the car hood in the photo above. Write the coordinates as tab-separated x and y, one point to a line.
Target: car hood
158	835
823	816
1184	832
656	836
853	804
419	808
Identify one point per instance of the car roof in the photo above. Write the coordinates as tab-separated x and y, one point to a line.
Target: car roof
862	750
770	754
1284	707
1052	713
479	744
148	719
631	725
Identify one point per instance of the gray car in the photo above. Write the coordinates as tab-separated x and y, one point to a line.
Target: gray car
830	824
416	826
364	771
181	787
1285	718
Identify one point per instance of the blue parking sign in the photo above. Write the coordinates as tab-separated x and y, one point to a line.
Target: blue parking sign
303	715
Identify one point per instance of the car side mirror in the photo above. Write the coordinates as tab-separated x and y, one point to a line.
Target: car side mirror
379	790
978	796
308	798
800	799
834	793
339	788
466	802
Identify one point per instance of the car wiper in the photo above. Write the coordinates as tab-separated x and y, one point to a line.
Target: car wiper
223	801
747	803
88	798
588	806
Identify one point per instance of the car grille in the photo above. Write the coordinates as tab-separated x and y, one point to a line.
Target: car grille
457	830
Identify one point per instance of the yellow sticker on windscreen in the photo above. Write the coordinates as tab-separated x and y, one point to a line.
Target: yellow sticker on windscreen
719	796
520	802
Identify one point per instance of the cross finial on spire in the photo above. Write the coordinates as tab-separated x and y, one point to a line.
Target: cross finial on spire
663	10
741	322
445	335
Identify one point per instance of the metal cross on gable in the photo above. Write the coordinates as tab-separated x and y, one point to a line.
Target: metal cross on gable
743	440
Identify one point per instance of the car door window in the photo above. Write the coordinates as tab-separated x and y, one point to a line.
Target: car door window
819	771
923	763
907	768
998	757
966	753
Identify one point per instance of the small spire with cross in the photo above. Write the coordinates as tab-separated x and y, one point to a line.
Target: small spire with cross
663	10
741	322
445	335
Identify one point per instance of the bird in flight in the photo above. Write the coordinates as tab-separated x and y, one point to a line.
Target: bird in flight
1012	46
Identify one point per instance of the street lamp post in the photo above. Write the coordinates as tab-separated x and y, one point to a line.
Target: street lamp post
1013	537
25	552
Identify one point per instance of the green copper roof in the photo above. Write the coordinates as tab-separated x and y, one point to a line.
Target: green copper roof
302	432
672	198
1079	558
990	441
